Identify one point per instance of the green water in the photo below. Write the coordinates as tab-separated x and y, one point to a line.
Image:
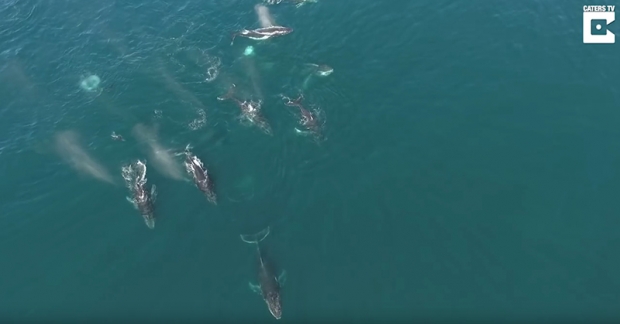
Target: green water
469	169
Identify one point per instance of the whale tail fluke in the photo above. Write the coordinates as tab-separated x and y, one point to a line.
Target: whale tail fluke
232	38
185	151
255	238
229	94
295	103
312	65
150	222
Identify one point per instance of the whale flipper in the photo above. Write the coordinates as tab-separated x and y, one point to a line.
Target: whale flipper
255	238
153	193
306	83
303	2
302	133
131	201
254	287
282	278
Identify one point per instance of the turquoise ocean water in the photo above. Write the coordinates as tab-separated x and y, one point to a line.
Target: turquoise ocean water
469	171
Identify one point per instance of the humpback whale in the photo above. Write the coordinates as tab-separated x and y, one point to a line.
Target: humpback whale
262	33
268	283
143	200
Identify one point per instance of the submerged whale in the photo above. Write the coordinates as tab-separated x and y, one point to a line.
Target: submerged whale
321	69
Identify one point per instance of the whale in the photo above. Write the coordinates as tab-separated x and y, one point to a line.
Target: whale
297	3
250	110
117	137
322	70
141	198
262	33
202	179
269	285
307	119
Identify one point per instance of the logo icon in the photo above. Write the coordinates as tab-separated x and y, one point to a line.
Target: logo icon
596	19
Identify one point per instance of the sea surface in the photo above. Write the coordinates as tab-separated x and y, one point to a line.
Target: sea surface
469	168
